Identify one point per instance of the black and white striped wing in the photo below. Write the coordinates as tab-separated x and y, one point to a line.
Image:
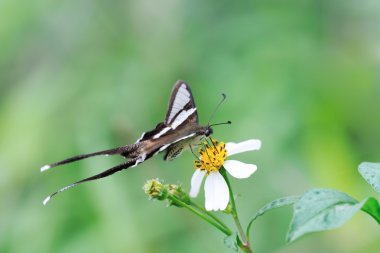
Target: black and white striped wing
181	106
181	113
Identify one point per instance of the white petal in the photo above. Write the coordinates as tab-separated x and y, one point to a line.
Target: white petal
235	148
216	192
238	169
196	182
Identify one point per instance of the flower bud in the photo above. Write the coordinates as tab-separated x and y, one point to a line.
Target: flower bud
179	193
155	189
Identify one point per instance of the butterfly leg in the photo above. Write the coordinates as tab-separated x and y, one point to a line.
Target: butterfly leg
192	151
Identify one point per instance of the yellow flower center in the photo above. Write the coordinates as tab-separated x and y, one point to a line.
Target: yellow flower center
212	156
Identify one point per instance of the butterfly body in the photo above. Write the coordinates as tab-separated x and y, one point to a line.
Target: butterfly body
179	131
184	137
176	149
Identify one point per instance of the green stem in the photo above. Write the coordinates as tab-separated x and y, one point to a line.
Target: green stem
244	241
243	247
211	215
225	230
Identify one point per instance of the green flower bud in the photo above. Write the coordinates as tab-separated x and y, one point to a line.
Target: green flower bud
155	189
179	193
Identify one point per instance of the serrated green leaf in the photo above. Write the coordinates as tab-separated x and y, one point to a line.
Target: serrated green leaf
371	173
231	242
372	207
321	209
272	205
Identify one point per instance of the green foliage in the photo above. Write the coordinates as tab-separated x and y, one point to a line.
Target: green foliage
372	207
275	204
371	173
272	205
324	209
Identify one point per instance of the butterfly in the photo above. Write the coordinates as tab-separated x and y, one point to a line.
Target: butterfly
179	131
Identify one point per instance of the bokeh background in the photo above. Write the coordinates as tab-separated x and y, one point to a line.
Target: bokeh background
81	76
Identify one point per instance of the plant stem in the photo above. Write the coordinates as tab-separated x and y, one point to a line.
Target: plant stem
210	214
244	241
224	228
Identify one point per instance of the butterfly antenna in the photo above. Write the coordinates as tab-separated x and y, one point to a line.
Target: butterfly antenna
216	108
223	123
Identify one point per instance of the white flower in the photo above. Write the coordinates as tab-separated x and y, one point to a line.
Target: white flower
212	158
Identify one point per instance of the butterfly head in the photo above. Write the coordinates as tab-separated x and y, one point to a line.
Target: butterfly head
207	131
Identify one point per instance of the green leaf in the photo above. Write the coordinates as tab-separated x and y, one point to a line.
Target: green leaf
371	173
231	242
372	207
321	209
272	205
276	204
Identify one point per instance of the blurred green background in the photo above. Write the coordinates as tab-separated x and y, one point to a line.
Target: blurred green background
81	76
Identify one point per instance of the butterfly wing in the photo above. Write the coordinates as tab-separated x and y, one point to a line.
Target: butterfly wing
181	112
181	106
181	115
